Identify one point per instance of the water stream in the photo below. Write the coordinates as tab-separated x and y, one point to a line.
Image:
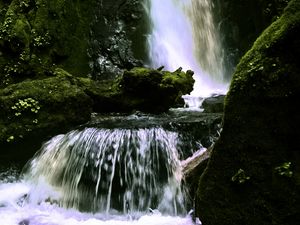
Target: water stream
184	35
99	176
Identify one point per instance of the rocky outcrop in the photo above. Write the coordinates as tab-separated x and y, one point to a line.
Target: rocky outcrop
118	39
36	109
253	175
241	22
95	38
37	35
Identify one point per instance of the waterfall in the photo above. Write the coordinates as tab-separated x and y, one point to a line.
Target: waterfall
110	170
184	35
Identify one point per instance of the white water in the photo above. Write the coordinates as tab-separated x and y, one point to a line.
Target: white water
99	176
184	35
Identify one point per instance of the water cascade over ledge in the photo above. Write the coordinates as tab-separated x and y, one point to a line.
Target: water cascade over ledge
100	176
118	170
184	35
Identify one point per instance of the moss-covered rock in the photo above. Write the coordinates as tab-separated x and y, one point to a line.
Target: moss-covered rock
31	111
36	34
143	89
253	176
36	109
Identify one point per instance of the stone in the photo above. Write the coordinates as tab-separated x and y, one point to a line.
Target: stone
214	104
253	175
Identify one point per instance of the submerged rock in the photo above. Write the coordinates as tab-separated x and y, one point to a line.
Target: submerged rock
253	174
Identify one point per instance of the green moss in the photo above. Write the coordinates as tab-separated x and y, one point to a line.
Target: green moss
21	31
48	32
43	107
146	87
43	104
262	62
284	169
240	177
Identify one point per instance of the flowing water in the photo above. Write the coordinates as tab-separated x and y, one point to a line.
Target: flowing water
122	175
184	35
99	176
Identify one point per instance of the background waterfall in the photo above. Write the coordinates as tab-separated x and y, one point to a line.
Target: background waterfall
184	35
103	170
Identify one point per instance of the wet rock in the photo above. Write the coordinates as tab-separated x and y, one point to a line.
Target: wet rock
193	167
96	38
214	104
118	38
252	176
24	222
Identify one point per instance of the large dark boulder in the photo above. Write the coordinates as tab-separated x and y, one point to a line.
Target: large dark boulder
213	104
253	175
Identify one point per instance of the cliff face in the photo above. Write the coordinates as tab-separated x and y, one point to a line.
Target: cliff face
83	37
241	22
253	175
36	36
53	54
117	37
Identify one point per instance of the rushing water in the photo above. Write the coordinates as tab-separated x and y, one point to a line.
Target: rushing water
99	176
184	35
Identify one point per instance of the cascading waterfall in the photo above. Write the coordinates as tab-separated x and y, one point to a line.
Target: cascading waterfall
102	170
184	35
99	176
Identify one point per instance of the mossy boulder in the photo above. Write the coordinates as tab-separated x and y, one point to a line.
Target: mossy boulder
153	90
253	175
33	110
142	89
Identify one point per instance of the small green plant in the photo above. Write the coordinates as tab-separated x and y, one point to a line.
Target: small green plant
6	27
240	177
24	3
10	138
39	40
26	105
284	169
